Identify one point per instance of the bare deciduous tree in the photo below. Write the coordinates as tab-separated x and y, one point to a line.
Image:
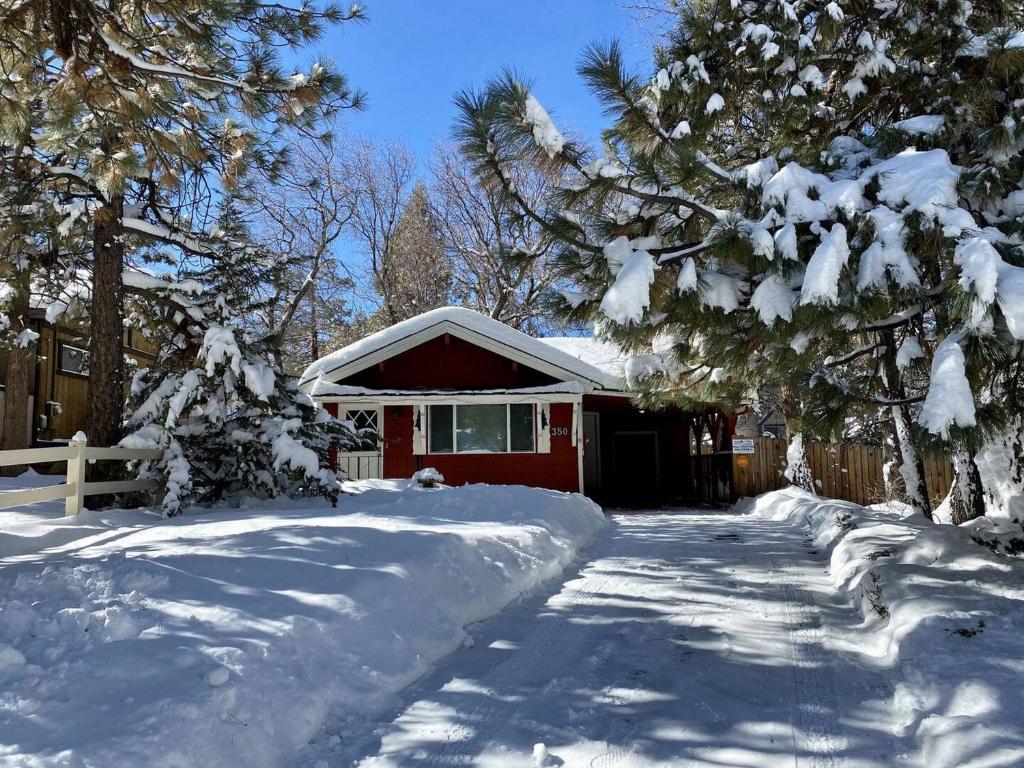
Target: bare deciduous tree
302	216
383	177
500	259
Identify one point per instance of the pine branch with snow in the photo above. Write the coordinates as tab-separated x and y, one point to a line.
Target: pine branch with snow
790	200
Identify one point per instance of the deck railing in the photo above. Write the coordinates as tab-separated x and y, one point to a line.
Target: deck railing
75	488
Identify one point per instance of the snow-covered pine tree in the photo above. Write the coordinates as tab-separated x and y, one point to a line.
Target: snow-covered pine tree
229	421
149	109
792	197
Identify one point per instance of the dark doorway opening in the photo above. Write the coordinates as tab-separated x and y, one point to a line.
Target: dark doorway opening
637	466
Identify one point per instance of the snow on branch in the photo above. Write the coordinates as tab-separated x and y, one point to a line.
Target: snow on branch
949	401
547	136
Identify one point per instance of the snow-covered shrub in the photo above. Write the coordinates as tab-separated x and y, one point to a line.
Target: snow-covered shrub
230	422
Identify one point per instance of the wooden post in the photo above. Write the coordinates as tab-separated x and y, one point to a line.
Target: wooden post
75	478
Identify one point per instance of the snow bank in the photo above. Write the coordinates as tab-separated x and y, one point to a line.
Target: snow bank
226	637
940	607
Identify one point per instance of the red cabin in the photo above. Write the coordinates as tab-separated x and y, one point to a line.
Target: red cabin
484	403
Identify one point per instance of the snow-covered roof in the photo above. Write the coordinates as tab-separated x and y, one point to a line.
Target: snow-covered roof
599	354
462	323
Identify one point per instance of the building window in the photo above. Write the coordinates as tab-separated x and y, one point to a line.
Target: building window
74	360
499	428
366	423
441	421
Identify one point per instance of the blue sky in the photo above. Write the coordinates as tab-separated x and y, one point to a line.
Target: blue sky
412	57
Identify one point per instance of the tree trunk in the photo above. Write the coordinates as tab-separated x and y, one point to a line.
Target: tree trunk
966	497
798	469
20	369
891	462
314	331
911	464
104	409
21	359
910	461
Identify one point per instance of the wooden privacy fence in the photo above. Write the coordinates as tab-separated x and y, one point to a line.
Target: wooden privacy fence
850	471
74	489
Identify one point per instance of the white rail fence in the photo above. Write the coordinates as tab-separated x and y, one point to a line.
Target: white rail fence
74	489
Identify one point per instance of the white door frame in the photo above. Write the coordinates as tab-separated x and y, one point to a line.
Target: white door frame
370	461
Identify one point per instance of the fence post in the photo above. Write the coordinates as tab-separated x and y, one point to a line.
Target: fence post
75	478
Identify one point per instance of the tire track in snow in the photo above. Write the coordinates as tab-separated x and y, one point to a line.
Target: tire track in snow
488	715
774	593
815	703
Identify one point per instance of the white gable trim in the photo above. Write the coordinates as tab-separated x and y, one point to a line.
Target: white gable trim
460	398
413	340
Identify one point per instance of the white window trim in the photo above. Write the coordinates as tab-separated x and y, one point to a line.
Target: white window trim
455	435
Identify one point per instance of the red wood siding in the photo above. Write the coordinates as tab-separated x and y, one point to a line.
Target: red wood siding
332	408
558	470
448	362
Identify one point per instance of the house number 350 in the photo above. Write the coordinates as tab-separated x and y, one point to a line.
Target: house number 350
559	431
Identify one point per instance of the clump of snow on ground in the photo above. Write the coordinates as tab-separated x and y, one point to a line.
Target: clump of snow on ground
226	637
941	608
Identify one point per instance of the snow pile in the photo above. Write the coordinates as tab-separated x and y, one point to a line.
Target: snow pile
630	295
227	637
939	606
600	354
821	281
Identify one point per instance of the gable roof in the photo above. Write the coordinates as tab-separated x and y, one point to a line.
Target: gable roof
465	324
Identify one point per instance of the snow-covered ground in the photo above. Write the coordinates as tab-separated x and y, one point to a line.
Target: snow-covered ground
942	607
228	637
793	631
731	639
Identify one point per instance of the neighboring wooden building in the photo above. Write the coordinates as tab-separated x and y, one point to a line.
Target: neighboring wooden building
481	402
61	383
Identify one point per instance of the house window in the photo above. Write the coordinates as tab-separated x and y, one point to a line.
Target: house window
499	428
441	421
74	360
366	423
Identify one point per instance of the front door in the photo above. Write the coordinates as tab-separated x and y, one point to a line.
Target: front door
367	463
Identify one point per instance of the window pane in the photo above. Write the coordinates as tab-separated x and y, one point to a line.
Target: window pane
364	422
482	428
74	360
440	420
520	418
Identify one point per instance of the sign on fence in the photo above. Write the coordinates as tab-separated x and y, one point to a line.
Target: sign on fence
742	446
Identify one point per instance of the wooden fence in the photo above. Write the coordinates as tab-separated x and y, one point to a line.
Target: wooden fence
74	489
850	471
